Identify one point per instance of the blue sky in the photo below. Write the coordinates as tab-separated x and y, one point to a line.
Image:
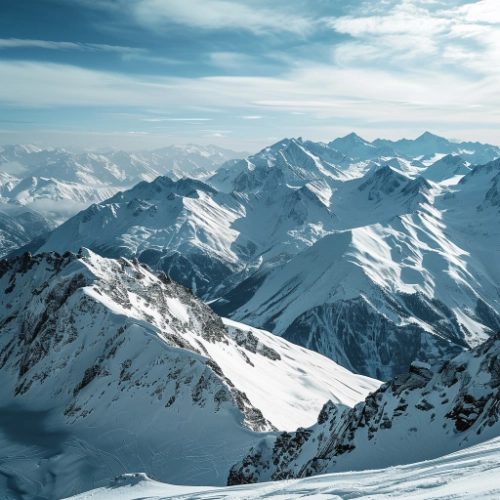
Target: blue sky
245	73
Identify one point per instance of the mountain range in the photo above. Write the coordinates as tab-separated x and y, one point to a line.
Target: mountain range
54	184
372	265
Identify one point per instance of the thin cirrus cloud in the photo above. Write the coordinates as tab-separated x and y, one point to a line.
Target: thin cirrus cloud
220	14
321	91
14	43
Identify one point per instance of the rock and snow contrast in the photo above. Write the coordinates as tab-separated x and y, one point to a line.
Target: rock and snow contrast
434	409
469	474
366	261
109	369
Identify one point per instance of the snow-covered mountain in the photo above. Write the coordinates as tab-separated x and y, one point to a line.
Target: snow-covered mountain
395	287
197	235
109	369
114	167
372	271
56	184
19	225
356	147
447	167
469	474
291	161
435	409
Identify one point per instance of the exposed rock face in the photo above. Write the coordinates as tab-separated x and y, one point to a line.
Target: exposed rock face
89	341
432	410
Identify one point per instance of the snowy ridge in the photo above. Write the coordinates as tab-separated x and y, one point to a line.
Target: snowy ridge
447	167
124	370
428	147
434	409
197	235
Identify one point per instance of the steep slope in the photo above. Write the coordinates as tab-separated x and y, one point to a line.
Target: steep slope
198	236
469	474
108	369
434	409
18	226
377	296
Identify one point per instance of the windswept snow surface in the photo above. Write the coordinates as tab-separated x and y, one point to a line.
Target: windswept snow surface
469	474
108	369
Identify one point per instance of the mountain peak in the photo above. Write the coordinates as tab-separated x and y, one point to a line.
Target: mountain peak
354	138
428	136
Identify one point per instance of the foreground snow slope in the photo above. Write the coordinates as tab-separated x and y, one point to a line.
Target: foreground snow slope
107	369
469	474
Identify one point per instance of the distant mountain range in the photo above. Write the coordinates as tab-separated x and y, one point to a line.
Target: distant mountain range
54	184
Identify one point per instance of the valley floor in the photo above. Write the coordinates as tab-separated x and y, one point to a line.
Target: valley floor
473	473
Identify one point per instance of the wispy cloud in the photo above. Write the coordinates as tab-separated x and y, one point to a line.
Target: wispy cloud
175	119
220	14
14	43
321	91
251	117
422	36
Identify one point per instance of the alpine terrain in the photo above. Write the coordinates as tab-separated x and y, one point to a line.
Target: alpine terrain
373	254
49	185
109	369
